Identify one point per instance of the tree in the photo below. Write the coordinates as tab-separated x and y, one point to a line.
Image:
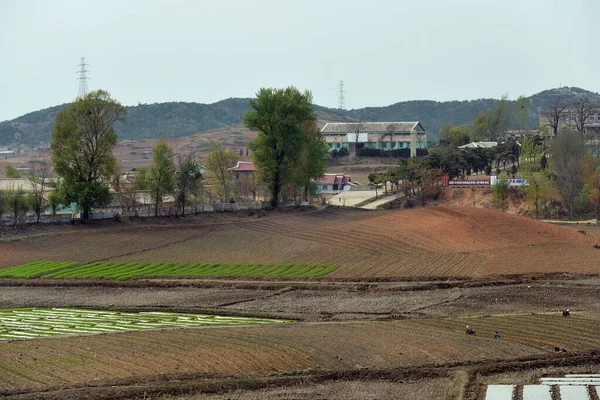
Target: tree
583	108
501	191
312	162
480	127
11	172
38	179
499	118
188	179
522	113
552	114
17	201
83	138
593	183
281	117
454	136
390	131
529	150
357	128
219	163
160	178
567	151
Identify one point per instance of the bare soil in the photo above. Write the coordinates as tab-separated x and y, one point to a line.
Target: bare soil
388	323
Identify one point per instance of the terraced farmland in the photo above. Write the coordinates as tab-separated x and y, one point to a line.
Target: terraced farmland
32	323
107	270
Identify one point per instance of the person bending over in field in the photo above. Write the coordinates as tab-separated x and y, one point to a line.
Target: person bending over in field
496	335
470	330
566	313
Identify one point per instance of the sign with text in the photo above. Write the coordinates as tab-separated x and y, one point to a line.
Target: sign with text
466	182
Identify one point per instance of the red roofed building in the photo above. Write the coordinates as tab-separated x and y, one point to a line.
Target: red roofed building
243	168
333	183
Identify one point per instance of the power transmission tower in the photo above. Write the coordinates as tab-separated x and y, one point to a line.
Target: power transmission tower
341	96
83	88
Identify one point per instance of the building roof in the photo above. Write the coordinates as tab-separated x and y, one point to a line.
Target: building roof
478	145
330	179
371	127
7	184
244	166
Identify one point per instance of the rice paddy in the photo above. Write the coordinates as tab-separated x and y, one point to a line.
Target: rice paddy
31	323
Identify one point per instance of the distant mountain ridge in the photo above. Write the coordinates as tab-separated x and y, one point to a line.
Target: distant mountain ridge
178	119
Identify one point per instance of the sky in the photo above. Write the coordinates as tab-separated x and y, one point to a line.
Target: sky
385	51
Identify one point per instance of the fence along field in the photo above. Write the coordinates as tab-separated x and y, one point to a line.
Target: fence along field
108	270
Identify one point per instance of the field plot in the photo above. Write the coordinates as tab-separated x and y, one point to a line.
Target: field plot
38	323
107	270
287	348
34	269
442	241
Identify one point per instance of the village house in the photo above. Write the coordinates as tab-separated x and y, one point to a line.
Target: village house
374	135
243	169
333	184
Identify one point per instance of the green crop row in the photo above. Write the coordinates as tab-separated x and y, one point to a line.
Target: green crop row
108	270
35	269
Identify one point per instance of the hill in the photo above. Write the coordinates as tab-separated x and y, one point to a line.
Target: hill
179	119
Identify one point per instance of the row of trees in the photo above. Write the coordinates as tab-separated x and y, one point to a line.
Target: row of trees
289	152
492	123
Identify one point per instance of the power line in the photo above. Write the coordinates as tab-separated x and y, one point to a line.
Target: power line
341	96
83	88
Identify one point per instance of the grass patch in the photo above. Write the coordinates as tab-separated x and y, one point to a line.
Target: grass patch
132	270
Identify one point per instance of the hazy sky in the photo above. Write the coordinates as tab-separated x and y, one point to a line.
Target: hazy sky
385	51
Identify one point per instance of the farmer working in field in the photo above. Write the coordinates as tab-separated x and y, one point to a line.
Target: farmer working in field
469	330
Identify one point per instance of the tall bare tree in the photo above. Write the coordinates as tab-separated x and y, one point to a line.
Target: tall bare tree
567	151
583	108
552	114
357	128
390	130
39	172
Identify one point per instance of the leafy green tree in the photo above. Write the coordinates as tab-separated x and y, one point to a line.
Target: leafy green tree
160	179
567	151
11	172
281	117
529	149
544	161
521	112
83	138
499	118
538	188
454	136
501	192
17	201
312	163
188	179
219	163
480	127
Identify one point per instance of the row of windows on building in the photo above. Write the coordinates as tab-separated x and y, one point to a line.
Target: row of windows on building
378	145
592	117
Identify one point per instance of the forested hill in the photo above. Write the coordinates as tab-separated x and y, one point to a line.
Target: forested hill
176	119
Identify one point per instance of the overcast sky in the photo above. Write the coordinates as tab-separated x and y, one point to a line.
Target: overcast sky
385	51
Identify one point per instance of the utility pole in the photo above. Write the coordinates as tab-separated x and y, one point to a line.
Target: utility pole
341	96
83	88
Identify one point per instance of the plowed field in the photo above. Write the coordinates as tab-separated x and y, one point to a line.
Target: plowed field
132	356
434	241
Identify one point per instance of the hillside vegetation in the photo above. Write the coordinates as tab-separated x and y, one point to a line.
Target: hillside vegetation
178	119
